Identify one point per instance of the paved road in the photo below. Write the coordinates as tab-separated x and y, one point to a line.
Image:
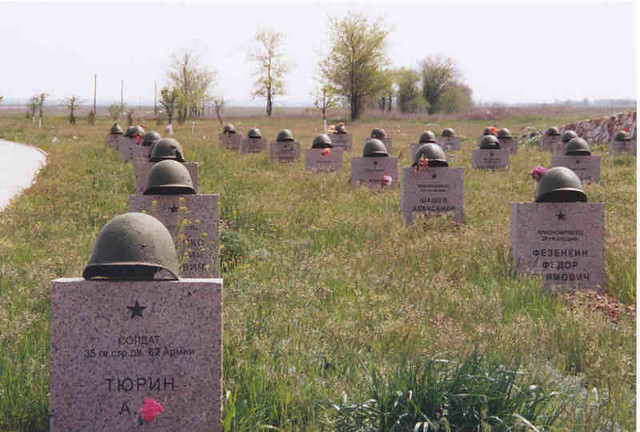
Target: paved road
19	165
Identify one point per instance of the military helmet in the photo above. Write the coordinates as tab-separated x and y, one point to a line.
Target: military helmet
284	135
568	135
378	133
553	131
487	131
322	141
169	177
340	129
132	130
504	133
560	184
433	153
489	142
448	133
373	147
577	147
229	129
133	246
427	137
622	136
151	137
116	129
166	148
254	133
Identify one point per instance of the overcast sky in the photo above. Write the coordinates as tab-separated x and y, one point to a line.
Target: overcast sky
507	52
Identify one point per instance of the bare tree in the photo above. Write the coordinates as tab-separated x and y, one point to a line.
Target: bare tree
41	99
192	82
218	107
32	107
169	101
73	103
271	66
324	98
438	73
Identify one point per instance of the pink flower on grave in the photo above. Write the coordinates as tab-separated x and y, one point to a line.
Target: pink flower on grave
341	124
386	180
493	129
138	138
326	151
150	410
626	129
538	172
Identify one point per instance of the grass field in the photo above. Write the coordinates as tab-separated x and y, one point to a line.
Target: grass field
337	316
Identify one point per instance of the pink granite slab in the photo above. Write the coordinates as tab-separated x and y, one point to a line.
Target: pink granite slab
342	141
622	147
561	242
230	141
586	167
142	166
113	344
253	145
388	144
314	160
547	141
490	159
284	151
433	191
558	148
370	170
450	143
510	144
192	220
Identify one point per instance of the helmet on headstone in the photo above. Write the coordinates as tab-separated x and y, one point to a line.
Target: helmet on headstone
560	184
169	177
151	137
133	246
284	135
448	133
322	141
489	142
340	129
229	129
622	136
504	133
553	131
577	147
433	153
378	133
488	131
116	129
254	133
568	135
427	137
166	148
373	147
132	130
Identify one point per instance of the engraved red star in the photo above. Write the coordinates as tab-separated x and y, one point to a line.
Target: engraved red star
136	309
560	215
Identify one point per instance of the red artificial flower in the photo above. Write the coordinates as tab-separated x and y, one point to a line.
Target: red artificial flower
341	124
626	129
386	180
493	130
143	126
538	172
150	409
138	138
326	151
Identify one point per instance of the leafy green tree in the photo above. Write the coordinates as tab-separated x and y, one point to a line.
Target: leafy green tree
169	101
355	66
192	81
438	73
271	66
408	96
72	103
456	98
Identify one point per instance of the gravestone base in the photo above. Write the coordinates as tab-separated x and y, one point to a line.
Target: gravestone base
253	145
490	159
587	168
284	151
370	170
434	191
230	141
114	344
142	166
192	221
561	242
314	160
450	143
342	141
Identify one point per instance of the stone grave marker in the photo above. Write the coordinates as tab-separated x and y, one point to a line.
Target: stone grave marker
371	170
284	151
142	166
125	147
342	141
111	141
388	144
253	145
623	147
561	242
192	221
116	345
547	141
586	167
450	143
230	141
316	159
511	144
559	148
485	159
432	191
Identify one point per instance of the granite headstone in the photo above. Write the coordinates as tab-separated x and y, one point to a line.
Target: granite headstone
230	141
284	151
253	145
450	143
547	141
586	167
432	191
317	159
511	144
371	170
623	147
342	141
486	159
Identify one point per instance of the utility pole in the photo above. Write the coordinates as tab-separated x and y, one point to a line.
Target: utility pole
122	96
155	99
95	86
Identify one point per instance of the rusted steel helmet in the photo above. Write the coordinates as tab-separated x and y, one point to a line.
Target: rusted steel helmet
378	133
229	129
133	246
560	184
169	177
132	130
504	133
151	137
116	129
434	155
373	147
489	142
622	136
427	137
568	135
553	131
448	133
340	129
284	135
254	133
322	141
166	148
577	147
